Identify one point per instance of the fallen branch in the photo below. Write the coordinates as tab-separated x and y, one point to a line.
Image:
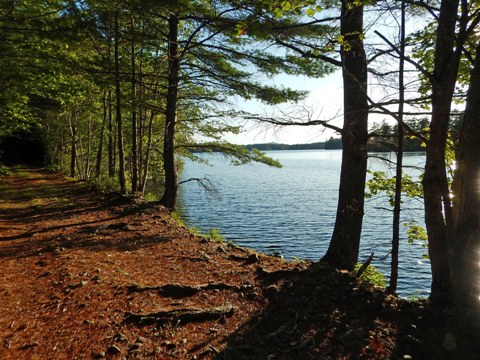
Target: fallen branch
184	315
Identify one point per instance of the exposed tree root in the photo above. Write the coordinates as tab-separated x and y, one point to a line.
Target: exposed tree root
177	290
184	315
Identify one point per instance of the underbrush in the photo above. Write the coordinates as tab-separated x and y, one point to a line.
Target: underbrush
4	171
372	275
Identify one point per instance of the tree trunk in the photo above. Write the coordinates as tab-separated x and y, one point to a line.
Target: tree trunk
435	182
392	286
73	147
345	242
169	197
134	158
148	153
98	164
465	239
111	134
118	93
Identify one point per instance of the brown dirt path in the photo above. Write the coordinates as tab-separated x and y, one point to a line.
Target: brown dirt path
67	254
75	266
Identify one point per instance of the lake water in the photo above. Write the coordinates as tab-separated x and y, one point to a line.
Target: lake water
291	211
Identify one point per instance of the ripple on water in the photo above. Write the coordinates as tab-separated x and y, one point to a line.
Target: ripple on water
291	211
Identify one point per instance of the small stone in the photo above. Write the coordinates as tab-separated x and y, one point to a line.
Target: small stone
135	346
449	342
141	340
120	337
169	345
83	283
407	357
98	355
114	349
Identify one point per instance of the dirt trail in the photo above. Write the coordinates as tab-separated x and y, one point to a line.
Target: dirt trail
67	256
87	276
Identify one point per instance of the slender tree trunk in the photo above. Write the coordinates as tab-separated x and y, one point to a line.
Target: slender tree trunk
344	245
118	93
465	236
148	153
134	158
73	147
169	197
399	166
98	164
111	134
89	149
141	120
435	183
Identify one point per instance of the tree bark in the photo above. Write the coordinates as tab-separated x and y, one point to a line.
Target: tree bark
397	208
465	236
118	93
134	158
169	197
435	183
111	141
73	147
98	164
345	242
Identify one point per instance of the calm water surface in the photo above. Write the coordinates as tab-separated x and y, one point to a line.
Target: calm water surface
291	211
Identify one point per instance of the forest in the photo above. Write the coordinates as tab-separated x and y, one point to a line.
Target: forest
118	92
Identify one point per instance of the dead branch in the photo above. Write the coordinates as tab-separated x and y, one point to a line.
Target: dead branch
364	266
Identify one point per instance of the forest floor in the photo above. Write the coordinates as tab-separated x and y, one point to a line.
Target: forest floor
90	276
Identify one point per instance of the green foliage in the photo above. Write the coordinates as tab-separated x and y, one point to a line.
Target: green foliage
4	171
417	233
371	275
381	183
104	184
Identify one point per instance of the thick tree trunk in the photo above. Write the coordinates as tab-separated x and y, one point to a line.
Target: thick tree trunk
437	206
169	197
118	93
345	242
465	236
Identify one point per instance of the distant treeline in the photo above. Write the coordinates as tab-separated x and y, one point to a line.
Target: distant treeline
380	141
276	146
